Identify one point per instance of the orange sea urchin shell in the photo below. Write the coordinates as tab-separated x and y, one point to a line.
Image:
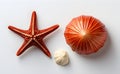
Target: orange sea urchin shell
85	34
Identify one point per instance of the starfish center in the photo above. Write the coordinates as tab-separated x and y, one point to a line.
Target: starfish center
33	36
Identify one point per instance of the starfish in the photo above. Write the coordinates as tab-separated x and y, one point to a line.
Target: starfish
33	36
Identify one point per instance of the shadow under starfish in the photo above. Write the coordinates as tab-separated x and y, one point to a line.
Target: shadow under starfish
33	36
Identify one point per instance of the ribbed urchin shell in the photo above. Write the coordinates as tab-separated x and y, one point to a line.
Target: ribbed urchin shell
85	34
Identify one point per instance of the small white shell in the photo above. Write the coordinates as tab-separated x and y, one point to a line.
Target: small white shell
61	57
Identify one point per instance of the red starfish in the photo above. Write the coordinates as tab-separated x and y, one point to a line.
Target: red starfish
33	36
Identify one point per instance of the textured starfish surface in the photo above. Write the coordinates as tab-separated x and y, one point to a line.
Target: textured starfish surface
33	36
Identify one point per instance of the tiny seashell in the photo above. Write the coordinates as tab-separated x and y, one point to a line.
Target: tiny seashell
85	34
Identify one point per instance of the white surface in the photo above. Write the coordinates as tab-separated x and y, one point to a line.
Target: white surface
50	12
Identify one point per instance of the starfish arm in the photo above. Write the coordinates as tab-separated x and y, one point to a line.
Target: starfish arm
47	31
18	31
25	45
33	24
43	47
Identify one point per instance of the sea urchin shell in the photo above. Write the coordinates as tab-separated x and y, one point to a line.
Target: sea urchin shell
85	34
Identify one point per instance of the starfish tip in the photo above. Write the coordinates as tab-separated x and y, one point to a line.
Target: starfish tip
34	12
9	27
57	26
49	56
17	54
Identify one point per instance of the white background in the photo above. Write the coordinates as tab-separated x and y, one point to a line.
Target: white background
50	12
